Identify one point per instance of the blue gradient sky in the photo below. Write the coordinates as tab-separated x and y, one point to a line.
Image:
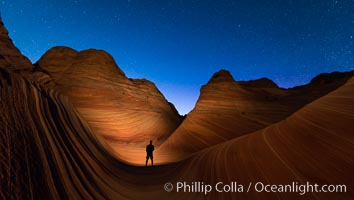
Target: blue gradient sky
179	44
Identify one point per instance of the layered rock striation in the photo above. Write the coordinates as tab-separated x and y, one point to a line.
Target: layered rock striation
123	110
229	109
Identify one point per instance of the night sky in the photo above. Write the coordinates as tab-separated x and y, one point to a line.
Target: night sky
179	44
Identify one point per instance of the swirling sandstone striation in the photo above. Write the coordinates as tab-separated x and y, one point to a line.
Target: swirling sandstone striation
122	110
314	144
48	150
228	109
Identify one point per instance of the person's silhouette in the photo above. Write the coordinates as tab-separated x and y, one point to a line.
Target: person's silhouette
149	149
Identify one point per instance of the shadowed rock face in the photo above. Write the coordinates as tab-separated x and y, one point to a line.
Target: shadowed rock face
259	83
228	109
122	110
221	76
10	56
36	125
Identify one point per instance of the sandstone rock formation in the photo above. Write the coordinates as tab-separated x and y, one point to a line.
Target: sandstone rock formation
49	151
315	144
228	109
259	83
10	56
122	110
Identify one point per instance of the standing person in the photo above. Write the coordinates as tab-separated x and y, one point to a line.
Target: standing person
149	149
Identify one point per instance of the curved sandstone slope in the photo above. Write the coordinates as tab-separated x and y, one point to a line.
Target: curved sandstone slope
41	142
228	109
122	110
48	151
218	116
315	144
